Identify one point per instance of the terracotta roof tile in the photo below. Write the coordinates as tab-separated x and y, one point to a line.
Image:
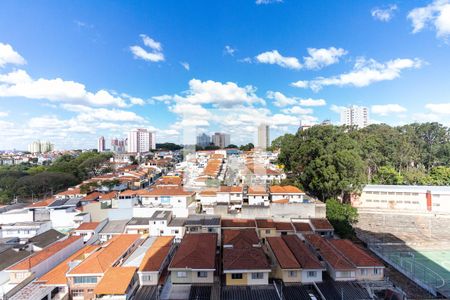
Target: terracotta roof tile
196	251
245	259
115	281
88	226
105	257
241	223
321	224
286	189
231	189
44	254
302	227
42	203
257	190
166	191
240	238
329	253
358	256
156	254
302	254
92	196
284	226
281	251
265	223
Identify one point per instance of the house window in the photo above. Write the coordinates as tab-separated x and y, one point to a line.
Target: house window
146	277
181	274
236	276
84	279
377	271
267	231
363	272
258	275
202	274
311	274
77	293
292	274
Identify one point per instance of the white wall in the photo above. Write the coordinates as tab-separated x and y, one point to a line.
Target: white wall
16	215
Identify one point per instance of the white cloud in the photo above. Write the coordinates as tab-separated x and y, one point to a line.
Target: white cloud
220	94
439	108
185	65
384	14
387	109
319	58
364	73
436	14
313	102
280	99
154	55
4	114
337	109
274	57
89	114
297	110
229	50
9	56
19	84
259	2
191	110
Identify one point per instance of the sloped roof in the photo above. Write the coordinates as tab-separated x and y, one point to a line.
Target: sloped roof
286	189
321	224
301	252
46	238
88	226
358	256
196	251
250	223
110	252
285	226
265	223
156	254
115	281
329	253
282	253
240	238
245	259
302	226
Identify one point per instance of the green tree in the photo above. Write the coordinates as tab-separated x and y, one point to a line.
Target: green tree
388	175
342	216
247	147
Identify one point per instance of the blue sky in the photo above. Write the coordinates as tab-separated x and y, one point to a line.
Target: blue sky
72	71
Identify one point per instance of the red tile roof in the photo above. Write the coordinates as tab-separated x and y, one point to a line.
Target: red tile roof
321	224
329	253
257	190
70	191
169	180
128	193
88	226
42	203
240	238
43	255
166	191
156	254
92	196
105	257
241	223
196	251
245	259
302	227
284	226
281	251
301	252
208	193
108	196
287	189
115	281
265	223
355	254
231	189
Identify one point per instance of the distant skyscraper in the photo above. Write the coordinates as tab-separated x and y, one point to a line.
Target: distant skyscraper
40	147
263	136
355	116
203	140
101	144
141	140
220	140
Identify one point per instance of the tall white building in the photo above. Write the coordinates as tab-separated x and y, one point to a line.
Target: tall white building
263	136
101	144
141	140
40	147
355	116
220	140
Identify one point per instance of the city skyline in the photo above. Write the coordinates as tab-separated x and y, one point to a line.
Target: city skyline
219	67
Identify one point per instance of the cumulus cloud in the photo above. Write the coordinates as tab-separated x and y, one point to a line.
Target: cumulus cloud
364	73
313	102
436	15
275	58
185	65
4	114
89	114
297	110
439	108
228	50
337	109
319	58
384	14
9	56
260	2
387	109
153	54
280	99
